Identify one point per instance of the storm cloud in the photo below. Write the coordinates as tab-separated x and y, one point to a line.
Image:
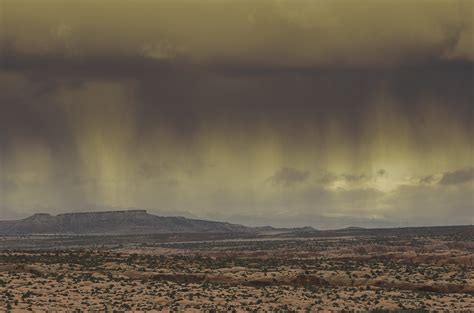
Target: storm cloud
307	33
196	106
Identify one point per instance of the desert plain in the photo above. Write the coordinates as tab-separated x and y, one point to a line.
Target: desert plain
422	269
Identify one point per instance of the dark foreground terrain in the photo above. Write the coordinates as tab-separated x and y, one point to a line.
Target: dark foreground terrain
428	269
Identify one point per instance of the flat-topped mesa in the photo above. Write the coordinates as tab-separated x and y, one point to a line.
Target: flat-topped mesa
108	213
134	221
40	217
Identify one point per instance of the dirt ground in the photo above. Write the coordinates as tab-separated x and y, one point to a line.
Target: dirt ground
285	274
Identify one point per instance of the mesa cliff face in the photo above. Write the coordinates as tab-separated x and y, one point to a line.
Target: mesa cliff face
113	222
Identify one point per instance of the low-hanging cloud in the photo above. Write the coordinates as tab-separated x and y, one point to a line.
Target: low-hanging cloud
288	176
458	177
428	179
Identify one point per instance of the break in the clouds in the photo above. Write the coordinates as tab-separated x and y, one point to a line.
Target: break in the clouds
319	112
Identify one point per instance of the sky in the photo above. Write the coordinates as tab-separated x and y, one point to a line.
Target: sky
261	112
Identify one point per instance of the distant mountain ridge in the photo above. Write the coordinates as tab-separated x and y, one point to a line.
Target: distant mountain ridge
125	222
113	222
